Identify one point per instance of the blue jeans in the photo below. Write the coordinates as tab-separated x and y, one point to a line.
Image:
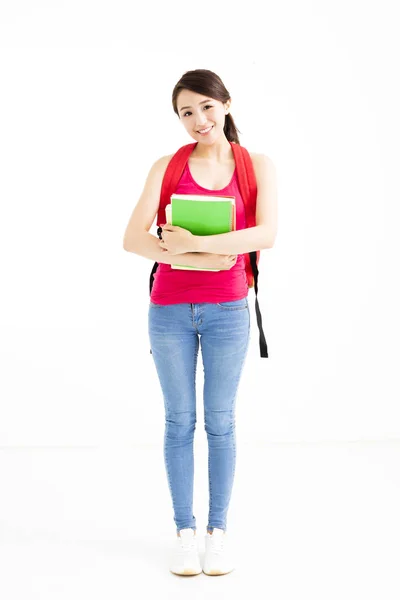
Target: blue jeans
224	330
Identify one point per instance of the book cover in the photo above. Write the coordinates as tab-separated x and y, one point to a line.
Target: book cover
201	215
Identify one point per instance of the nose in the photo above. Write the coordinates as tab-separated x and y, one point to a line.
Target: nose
201	122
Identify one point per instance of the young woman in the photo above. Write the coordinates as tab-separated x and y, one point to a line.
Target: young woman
188	308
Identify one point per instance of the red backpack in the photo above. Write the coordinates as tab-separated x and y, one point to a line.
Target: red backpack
248	191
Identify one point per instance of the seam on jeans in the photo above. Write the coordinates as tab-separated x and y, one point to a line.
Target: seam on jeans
240	307
195	357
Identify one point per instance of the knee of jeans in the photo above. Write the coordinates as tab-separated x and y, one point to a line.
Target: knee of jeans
180	424
219	422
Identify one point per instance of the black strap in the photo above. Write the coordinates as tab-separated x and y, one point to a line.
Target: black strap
263	343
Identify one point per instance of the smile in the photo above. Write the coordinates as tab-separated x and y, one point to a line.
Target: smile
205	131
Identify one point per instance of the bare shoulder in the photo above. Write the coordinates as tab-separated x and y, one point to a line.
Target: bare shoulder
161	164
260	158
167	157
262	164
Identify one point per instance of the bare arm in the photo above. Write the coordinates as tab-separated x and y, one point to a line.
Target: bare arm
147	245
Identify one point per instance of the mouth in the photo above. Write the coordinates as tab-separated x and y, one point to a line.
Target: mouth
205	131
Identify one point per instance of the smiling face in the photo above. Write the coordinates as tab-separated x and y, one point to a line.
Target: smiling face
198	112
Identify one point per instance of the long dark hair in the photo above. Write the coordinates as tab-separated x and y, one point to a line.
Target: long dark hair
207	83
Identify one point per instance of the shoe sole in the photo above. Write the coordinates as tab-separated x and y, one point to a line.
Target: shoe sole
217	572
187	572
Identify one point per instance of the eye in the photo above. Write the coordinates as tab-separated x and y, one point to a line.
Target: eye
206	106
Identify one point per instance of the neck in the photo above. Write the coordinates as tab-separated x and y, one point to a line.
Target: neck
219	151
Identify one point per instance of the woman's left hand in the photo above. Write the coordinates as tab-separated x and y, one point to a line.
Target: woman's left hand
176	240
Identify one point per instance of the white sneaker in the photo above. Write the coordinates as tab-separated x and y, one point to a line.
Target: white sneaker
218	559
185	558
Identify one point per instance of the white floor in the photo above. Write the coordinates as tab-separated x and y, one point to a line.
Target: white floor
313	521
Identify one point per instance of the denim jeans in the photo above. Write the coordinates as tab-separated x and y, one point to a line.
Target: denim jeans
223	330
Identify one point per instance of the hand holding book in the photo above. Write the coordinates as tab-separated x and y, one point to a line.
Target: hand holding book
220	262
191	215
176	240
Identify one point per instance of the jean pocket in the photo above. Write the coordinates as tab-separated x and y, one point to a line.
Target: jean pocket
234	304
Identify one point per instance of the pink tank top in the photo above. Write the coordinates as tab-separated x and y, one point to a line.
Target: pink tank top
172	286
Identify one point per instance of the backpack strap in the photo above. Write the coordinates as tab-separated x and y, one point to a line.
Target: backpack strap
248	190
169	184
171	179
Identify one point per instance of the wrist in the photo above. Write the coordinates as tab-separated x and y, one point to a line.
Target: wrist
198	243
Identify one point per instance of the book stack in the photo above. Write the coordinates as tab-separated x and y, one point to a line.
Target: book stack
201	215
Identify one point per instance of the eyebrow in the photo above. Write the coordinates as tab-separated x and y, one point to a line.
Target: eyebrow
204	101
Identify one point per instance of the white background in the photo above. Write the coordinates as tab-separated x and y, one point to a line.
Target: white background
86	109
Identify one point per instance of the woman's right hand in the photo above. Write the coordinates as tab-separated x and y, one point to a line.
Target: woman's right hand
217	261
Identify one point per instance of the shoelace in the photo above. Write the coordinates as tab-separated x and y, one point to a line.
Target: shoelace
216	547
189	546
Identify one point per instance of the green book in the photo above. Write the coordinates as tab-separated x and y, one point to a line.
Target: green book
201	215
